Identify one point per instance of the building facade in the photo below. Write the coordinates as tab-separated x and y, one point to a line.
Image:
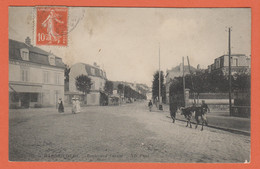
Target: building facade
36	77
175	72
98	80
239	63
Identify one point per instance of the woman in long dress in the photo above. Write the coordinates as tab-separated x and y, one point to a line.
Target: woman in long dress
61	107
73	105
77	105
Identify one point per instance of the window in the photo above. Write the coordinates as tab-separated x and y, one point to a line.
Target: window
24	74
51	59
58	78
14	97
236	61
46	77
24	54
92	71
217	64
100	87
93	86
34	97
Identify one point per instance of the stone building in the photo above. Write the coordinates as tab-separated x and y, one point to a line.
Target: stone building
239	63
36	77
98	79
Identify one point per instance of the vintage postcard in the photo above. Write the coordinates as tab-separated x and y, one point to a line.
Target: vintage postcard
130	85
99	97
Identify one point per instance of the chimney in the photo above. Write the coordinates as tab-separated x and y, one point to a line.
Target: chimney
198	66
28	41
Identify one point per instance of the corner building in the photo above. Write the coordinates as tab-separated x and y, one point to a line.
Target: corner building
36	77
98	80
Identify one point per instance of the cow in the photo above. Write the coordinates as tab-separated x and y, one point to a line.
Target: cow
187	112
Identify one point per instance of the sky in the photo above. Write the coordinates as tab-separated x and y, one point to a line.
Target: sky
125	42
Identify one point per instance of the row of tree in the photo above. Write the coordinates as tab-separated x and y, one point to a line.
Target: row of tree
202	82
215	82
83	83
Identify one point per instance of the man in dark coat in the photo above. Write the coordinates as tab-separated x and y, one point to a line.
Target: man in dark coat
173	108
205	110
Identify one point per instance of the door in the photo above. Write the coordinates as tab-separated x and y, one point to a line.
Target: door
25	100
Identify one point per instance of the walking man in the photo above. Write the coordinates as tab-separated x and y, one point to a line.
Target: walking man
205	110
173	108
150	105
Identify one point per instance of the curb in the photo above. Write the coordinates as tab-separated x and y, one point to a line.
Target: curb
236	131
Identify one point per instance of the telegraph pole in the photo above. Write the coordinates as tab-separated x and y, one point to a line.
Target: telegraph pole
229	69
160	100
183	78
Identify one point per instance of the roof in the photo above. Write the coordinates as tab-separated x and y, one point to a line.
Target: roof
36	55
97	71
177	71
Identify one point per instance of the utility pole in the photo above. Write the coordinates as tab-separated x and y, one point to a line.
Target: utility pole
192	86
160	100
229	69
183	77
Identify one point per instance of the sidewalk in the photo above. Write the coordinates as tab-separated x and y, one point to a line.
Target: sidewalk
219	121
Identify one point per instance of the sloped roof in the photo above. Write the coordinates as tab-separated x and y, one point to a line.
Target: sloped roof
177	71
97	72
36	55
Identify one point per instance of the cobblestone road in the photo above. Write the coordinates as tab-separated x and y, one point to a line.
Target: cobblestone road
126	133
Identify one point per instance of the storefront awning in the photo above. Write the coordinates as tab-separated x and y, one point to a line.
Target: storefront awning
25	89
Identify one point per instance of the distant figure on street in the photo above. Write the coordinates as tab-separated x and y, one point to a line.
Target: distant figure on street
77	102
150	105
173	108
60	106
205	110
73	105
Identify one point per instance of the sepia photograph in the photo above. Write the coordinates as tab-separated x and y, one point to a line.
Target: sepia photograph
129	85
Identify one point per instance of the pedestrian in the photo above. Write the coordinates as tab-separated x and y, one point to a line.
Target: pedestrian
150	105
205	110
173	108
73	105
77	103
60	106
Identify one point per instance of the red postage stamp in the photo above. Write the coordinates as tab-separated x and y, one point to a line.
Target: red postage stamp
52	26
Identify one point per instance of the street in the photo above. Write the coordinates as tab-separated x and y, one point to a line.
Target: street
125	133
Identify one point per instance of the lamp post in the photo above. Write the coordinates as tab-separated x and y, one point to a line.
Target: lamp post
229	70
160	98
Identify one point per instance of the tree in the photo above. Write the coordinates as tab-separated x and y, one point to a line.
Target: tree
83	83
120	88
109	86
155	87
241	82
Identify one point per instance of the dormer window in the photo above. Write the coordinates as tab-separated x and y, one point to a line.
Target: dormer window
51	60
92	71
24	54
